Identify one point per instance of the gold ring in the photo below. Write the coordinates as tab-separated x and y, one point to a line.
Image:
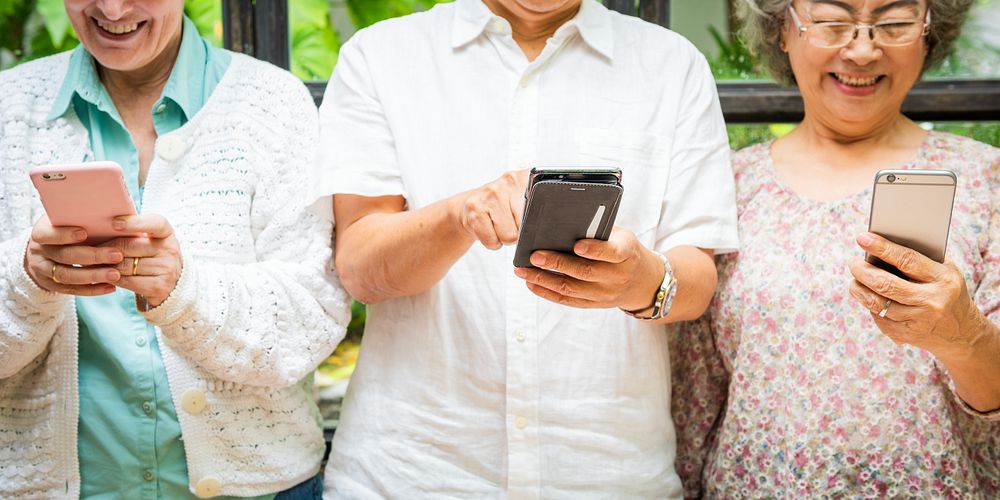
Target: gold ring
135	266
54	273
885	308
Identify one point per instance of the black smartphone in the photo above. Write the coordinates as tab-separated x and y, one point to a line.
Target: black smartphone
913	208
565	205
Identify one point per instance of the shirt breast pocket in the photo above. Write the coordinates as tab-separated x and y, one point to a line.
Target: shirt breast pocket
645	163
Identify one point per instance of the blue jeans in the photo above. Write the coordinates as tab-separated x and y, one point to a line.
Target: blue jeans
310	489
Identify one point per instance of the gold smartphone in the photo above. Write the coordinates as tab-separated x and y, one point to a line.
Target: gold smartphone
913	208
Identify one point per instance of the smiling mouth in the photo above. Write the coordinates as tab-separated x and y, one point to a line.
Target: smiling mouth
851	81
118	29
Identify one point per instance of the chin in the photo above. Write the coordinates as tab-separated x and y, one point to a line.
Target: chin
116	59
543	6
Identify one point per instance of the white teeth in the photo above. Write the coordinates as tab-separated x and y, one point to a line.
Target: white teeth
118	29
855	82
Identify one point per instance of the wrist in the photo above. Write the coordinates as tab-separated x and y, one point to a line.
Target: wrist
646	284
454	207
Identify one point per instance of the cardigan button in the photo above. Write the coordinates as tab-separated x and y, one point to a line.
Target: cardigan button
193	401
170	147
208	487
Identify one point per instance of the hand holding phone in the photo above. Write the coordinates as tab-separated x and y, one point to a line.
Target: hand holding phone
913	208
80	202
57	261
564	206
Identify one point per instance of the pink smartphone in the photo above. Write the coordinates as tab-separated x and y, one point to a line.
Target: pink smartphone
88	195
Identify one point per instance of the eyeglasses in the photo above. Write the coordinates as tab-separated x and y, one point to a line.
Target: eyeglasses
891	33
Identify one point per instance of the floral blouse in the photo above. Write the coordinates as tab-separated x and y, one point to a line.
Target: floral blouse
787	389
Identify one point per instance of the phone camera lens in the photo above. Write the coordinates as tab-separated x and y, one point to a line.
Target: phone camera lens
891	178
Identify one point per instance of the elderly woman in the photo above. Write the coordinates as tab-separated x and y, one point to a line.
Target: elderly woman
178	363
794	385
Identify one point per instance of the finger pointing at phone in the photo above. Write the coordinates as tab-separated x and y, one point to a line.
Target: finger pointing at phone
152	264
492	213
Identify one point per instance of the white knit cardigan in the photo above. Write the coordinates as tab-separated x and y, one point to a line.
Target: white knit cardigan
256	308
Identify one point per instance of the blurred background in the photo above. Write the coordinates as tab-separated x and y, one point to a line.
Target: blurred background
30	29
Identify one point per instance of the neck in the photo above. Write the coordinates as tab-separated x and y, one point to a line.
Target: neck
145	82
532	28
887	131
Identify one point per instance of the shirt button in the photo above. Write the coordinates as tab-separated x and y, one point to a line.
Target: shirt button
193	401
147	407
148	475
140	341
520	422
520	335
208	487
170	147
525	81
160	108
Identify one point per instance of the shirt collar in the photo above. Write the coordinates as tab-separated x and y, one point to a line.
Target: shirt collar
593	21
184	86
471	18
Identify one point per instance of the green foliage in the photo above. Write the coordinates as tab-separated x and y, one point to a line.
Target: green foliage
734	61
313	40
988	132
30	29
357	325
367	12
207	16
56	21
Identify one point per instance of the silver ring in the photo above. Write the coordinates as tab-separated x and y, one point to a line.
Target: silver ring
885	308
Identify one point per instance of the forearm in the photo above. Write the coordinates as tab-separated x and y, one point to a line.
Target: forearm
382	256
29	315
694	270
268	323
977	373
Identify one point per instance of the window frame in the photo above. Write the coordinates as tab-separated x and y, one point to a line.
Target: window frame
260	28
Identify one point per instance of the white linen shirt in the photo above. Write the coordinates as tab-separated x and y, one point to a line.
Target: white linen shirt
477	388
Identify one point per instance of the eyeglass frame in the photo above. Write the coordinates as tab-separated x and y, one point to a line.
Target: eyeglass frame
857	29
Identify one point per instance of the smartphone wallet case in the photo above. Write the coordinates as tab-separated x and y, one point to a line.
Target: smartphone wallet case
558	214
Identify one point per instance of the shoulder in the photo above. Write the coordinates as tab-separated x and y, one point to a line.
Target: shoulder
34	82
748	161
974	162
261	77
404	33
954	149
258	85
750	171
51	68
653	44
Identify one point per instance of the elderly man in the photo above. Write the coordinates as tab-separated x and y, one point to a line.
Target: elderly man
476	379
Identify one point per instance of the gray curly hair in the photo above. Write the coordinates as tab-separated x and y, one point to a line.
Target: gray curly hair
762	21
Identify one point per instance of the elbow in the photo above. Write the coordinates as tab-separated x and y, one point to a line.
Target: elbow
698	295
354	280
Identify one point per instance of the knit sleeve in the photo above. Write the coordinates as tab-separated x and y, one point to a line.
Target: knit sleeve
272	321
29	315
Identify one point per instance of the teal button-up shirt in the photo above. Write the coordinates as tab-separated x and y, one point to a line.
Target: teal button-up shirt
130	443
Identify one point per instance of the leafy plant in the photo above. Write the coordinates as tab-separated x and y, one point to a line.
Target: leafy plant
314	42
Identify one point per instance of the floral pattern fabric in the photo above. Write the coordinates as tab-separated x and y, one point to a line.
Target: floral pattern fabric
787	389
